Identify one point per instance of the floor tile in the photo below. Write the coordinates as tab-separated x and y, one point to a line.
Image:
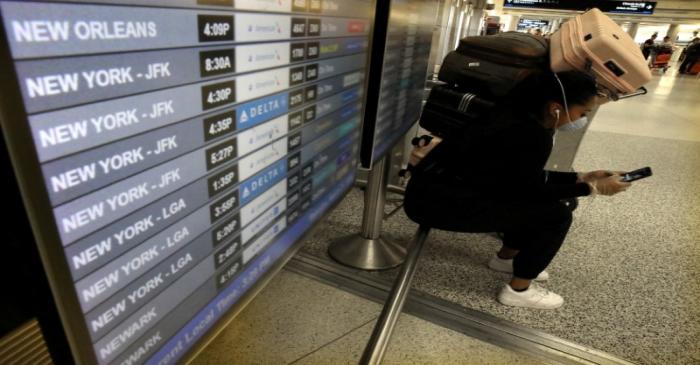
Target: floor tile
416	341
291	317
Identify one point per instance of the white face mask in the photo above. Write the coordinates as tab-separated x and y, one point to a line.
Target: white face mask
575	125
568	127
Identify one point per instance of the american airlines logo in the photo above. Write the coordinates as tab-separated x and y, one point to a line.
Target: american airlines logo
264	84
267	29
266	56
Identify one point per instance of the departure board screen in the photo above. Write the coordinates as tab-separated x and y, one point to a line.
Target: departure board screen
407	41
525	24
183	148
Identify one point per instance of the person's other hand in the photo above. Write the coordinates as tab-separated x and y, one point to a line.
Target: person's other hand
610	185
595	175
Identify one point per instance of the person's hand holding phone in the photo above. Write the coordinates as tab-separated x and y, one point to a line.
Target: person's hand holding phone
595	175
610	185
642	173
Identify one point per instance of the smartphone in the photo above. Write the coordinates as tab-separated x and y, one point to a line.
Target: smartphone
636	174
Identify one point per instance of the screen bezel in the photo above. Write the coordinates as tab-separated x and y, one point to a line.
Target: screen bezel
27	168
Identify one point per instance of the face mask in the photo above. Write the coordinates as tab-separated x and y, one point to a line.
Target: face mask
575	125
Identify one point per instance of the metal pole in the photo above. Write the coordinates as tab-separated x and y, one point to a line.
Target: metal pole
375	197
390	188
379	341
367	250
633	29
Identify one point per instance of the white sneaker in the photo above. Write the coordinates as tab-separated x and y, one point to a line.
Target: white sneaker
534	297
503	265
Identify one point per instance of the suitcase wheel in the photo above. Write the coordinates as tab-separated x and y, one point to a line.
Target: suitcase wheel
421	141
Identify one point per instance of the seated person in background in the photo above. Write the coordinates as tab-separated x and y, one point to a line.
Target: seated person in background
692	55
492	179
667	46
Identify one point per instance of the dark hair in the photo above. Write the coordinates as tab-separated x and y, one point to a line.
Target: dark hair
534	93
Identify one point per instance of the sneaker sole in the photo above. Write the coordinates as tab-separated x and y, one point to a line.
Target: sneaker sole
521	305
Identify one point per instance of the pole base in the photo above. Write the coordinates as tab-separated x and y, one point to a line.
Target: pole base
367	254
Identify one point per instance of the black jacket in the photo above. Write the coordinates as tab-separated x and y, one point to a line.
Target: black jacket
502	162
693	50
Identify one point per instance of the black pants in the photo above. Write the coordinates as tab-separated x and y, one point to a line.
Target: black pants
536	228
687	63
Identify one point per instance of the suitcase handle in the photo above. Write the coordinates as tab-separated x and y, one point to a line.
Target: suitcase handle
641	91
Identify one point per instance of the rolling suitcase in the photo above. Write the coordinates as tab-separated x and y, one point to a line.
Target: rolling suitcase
695	69
594	41
448	111
490	66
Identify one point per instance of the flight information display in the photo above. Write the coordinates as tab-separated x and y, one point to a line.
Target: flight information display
404	70
525	24
184	147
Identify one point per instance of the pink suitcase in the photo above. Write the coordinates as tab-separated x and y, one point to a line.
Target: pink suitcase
594	40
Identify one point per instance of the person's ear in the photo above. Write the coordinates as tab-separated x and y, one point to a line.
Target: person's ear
555	110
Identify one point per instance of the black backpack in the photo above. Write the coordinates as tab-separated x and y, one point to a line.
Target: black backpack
491	66
481	72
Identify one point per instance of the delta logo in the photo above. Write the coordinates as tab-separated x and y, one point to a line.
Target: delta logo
262	110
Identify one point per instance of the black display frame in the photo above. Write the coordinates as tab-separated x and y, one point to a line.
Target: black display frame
374	81
22	152
374	91
24	159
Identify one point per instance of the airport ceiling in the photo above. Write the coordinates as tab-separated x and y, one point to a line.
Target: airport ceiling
667	11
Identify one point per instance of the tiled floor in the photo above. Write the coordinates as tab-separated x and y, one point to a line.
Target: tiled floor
296	320
671	110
